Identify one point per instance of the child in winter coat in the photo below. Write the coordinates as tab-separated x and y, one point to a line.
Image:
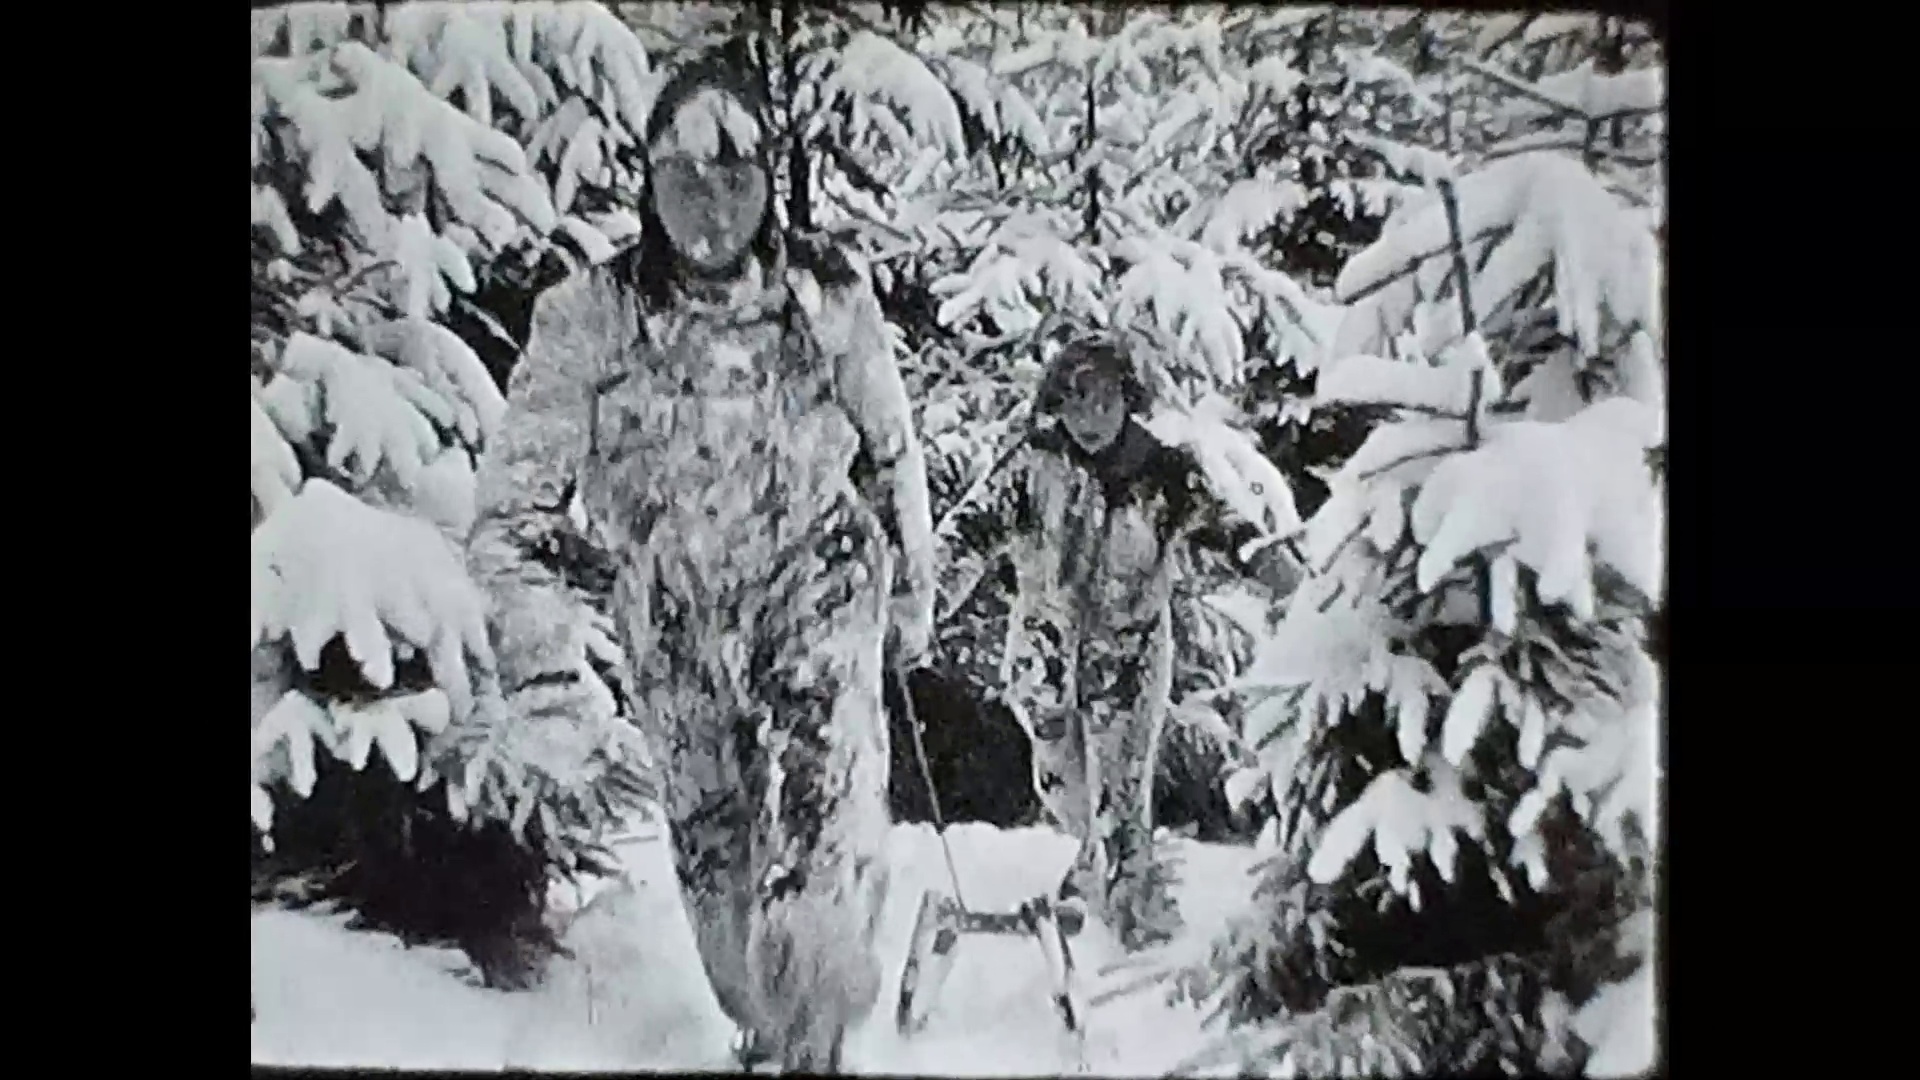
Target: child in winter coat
1096	506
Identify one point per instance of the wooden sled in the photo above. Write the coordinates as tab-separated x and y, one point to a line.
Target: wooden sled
943	919
940	924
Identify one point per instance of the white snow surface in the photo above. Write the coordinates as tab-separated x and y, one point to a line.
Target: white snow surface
634	996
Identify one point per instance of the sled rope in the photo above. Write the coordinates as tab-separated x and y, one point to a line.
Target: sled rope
952	918
933	794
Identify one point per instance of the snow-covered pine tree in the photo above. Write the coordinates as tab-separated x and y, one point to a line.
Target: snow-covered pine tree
1094	181
1307	191
1457	712
1335	76
402	156
1255	165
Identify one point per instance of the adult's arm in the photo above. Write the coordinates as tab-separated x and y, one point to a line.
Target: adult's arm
528	478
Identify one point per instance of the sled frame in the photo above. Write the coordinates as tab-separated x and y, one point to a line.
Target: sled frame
942	921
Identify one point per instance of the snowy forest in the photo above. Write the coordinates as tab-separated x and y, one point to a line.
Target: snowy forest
1389	281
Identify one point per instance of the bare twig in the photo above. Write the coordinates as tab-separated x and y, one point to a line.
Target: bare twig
1469	323
352	281
1413	264
1352	535
943	527
1598	152
1422	410
1542	98
1408	459
1513	32
1339	587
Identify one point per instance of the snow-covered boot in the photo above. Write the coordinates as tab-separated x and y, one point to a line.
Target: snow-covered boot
1140	906
748	1051
1135	900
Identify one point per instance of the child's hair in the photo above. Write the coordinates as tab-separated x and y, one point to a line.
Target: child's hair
1096	357
728	69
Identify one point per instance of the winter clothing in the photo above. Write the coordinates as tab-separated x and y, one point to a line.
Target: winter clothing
713	446
1088	665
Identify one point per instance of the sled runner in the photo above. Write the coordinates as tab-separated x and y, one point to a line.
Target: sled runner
943	919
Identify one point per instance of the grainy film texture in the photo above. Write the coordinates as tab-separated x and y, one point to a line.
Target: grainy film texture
956	539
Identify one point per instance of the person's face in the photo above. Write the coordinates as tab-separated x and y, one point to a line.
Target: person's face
710	200
1094	410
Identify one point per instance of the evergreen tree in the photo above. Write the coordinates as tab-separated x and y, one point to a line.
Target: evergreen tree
406	159
1456	713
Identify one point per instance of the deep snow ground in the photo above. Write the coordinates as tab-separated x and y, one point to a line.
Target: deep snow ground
634	996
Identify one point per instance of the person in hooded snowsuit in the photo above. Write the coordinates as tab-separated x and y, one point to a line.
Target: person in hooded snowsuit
726	407
1096	507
